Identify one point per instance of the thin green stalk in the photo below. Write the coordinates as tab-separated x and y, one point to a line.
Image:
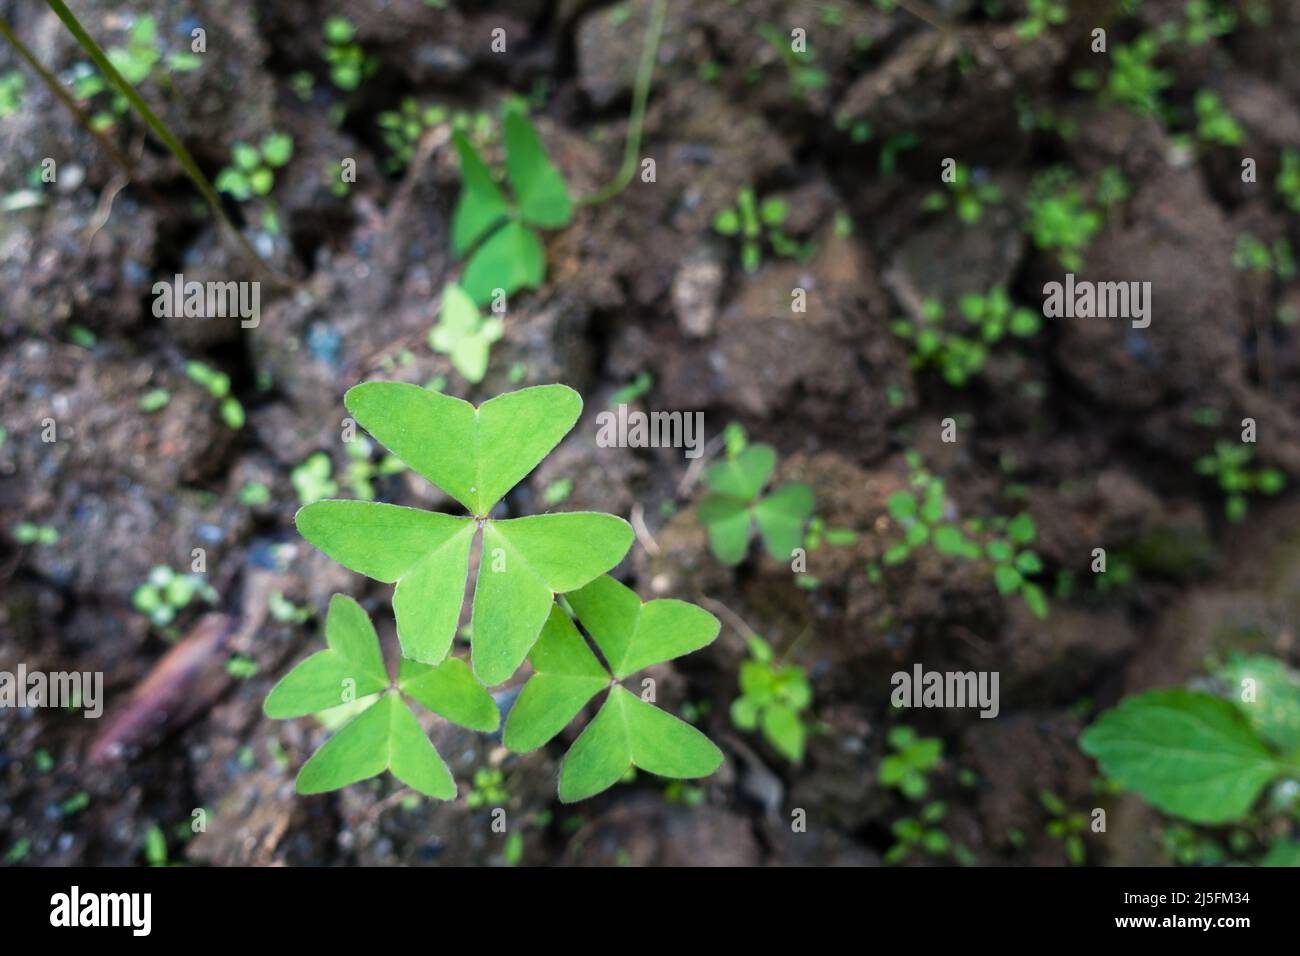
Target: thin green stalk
162	131
640	96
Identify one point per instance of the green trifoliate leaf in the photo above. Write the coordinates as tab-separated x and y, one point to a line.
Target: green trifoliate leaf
1187	753
632	635
385	736
351	668
463	334
743	476
539	188
474	455
481	206
728	522
525	563
567	675
511	259
781	517
425	553
450	691
628	732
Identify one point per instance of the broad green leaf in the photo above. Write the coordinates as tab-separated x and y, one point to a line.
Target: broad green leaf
539	188
633	635
450	691
474	455
1187	753
727	520
781	517
351	668
386	736
426	553
782	726
628	732
525	563
1271	702
481	206
743	476
511	259
567	675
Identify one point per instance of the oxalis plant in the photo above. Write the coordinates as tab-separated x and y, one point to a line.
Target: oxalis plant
476	455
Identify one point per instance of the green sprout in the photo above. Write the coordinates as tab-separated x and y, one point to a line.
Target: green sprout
751	220
402	128
488	789
919	833
1214	123
805	76
1065	826
463	334
1236	481
252	172
960	357
733	505
154	400
1059	220
1134	81
773	698
1288	179
1252	254
12	88
362	472
218	386
969	195
1199	756
505	251
1204	21
312	478
25	532
1039	15
348	63
165	593
1014	563
915	756
285	611
627	732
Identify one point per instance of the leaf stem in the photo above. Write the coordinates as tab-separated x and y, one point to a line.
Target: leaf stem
636	121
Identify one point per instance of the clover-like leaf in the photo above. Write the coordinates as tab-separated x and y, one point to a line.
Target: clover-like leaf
1187	753
633	635
385	736
450	691
744	475
629	732
728	522
539	188
512	258
482	205
781	517
476	456
463	334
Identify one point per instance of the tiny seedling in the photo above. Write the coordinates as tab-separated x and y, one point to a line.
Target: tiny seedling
1202	757
475	455
733	505
312	478
1214	124
488	789
751	221
1228	464
627	732
1039	15
154	400
348	63
1204	21
1252	254
1134	81
504	249
381	733
1014	563
957	356
925	517
12	88
252	169
914	757
463	334
805	76
166	592
25	532
218	386
362	472
773	697
402	128
919	833
1288	179
967	194
1059	220
1065	826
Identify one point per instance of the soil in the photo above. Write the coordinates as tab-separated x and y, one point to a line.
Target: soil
1091	426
